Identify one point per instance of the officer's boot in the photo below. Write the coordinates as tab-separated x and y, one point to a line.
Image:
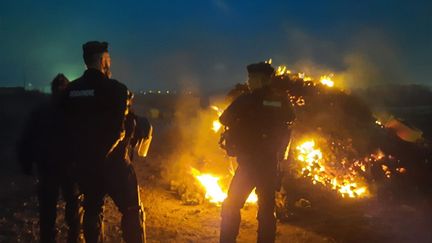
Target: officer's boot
230	223
133	225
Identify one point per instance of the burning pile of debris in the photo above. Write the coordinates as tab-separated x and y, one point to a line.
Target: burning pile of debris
341	150
338	151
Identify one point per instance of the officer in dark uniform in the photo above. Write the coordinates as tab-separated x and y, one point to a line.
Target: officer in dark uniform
95	108
258	130
38	145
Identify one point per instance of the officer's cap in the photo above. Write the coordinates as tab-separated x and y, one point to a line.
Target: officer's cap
260	67
94	47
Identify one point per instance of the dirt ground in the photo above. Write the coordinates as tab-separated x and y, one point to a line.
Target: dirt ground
168	220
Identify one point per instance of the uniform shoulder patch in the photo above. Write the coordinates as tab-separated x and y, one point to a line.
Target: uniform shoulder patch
81	93
273	103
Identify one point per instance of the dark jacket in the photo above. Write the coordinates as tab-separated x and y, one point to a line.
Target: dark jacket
94	109
259	121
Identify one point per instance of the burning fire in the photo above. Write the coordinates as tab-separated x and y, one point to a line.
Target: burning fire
327	80
324	80
304	77
313	166
282	70
216	124
214	192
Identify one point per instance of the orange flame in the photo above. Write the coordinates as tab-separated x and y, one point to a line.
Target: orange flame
313	166
327	80
214	192
216	124
282	70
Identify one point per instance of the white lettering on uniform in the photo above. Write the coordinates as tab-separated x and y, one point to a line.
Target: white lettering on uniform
272	103
82	93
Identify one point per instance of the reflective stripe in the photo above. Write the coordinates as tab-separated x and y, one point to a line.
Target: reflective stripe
81	93
272	103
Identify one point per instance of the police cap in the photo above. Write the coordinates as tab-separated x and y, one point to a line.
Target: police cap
260	67
94	47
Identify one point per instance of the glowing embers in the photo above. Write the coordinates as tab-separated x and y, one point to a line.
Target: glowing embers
304	77
313	166
326	80
282	70
298	101
308	153
213	190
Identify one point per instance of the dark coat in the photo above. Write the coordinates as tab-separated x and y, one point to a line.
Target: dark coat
94	109
259	121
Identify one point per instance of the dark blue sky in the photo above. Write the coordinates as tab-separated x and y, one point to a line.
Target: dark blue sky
206	44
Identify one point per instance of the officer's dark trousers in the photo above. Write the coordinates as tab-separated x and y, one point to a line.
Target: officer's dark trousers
118	180
50	182
253	172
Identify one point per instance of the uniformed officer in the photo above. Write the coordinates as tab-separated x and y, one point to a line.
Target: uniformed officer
95	108
38	145
258	130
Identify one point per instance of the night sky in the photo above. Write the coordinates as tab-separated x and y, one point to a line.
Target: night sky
206	45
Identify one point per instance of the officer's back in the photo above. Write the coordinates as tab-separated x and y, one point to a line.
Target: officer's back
258	119
94	107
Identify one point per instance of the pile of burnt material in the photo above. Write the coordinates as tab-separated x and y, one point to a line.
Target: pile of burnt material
392	160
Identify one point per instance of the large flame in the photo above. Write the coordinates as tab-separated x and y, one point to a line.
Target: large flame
214	192
313	166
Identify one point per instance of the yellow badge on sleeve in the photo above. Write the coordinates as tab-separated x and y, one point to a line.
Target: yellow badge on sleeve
277	104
